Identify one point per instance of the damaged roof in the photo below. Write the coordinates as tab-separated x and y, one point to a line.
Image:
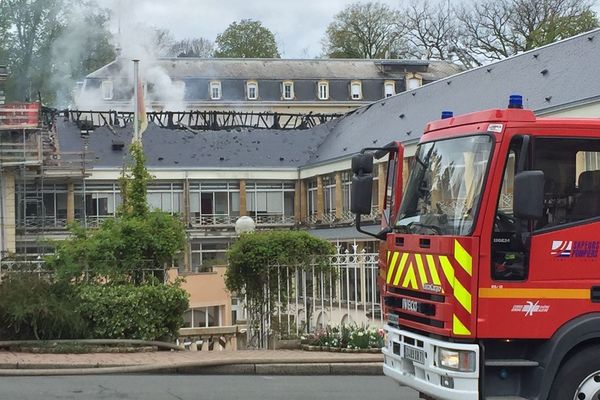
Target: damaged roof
173	148
549	78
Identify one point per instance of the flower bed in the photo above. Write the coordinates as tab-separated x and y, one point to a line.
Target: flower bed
345	338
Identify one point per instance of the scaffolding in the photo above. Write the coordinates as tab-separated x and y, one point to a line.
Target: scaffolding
29	161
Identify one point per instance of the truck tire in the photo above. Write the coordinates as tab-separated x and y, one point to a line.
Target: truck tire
579	377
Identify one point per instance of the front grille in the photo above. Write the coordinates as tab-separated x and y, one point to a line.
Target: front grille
425	312
438	298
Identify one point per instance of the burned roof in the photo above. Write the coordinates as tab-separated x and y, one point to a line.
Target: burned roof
173	148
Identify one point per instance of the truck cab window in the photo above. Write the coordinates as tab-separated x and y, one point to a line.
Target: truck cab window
509	258
572	179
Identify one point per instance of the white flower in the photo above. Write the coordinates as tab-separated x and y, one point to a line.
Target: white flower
360	334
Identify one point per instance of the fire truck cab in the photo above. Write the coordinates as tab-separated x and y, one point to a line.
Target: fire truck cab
489	261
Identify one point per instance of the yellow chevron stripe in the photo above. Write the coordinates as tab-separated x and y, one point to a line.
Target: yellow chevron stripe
432	270
410	278
464	259
400	268
448	270
421	269
462	295
390	271
388	257
458	328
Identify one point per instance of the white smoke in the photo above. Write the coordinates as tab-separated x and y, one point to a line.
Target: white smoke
137	41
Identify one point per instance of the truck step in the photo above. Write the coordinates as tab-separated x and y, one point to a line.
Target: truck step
512	362
505	398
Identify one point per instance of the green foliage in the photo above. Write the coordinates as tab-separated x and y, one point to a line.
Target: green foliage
246	39
147	312
364	30
253	256
48	45
134	186
32	307
254	261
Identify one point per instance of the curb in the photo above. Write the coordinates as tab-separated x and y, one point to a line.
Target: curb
212	367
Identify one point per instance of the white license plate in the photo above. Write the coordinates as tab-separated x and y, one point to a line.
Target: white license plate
414	354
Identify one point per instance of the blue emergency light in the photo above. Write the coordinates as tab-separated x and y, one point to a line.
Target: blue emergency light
515	101
447	114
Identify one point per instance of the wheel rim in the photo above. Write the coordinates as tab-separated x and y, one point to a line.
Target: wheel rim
589	388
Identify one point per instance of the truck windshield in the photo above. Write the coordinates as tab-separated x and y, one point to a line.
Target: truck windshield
444	188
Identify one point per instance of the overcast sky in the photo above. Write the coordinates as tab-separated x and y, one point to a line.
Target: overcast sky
298	25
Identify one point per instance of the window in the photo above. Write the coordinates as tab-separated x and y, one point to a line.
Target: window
288	90
389	89
107	90
215	90
207	254
329	195
356	90
270	202
323	88
167	197
413	81
252	90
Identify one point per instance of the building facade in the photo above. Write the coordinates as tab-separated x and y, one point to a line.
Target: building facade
283	179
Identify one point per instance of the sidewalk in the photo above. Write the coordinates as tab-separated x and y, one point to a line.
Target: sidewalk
263	362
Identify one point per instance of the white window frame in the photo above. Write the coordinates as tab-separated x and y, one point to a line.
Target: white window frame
323	90
413	81
107	90
389	89
289	84
249	85
215	85
359	94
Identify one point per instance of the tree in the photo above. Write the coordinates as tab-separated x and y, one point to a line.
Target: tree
496	29
126	248
200	47
50	44
370	30
253	268
246	39
431	30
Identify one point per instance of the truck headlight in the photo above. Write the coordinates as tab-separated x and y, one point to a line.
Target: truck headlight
458	360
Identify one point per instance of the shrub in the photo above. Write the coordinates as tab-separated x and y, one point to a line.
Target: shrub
147	312
347	336
33	307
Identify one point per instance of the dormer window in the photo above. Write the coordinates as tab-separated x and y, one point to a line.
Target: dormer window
288	90
389	89
323	90
356	90
215	90
413	81
252	90
107	90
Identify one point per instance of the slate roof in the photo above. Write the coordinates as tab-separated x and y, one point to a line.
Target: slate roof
548	78
284	69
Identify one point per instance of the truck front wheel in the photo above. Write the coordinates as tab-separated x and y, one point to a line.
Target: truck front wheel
579	377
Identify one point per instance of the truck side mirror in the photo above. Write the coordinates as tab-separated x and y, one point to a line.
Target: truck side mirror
528	201
362	183
362	186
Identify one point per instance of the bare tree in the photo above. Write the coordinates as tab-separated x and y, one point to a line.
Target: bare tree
496	29
431	29
370	30
199	47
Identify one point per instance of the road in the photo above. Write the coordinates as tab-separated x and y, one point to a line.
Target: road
188	387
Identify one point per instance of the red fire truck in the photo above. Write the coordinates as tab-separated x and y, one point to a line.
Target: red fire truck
490	264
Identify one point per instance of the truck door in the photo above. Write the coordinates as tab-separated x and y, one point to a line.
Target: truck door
542	270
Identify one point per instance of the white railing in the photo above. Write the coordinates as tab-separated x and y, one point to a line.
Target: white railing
212	220
308	299
42	223
273	219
